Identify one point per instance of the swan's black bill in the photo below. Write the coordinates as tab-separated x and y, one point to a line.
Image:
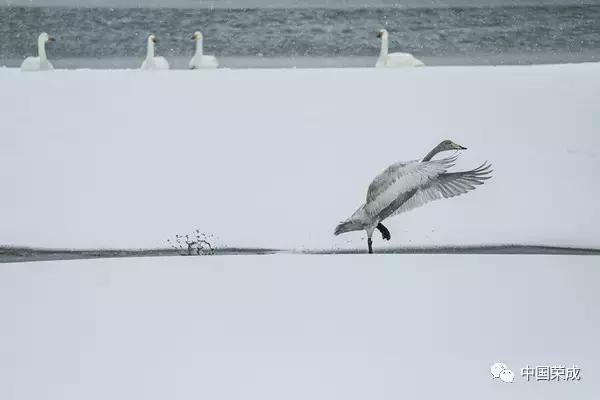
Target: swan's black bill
454	145
51	39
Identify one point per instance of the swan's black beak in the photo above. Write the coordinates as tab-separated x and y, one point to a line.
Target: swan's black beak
51	39
154	40
455	146
379	34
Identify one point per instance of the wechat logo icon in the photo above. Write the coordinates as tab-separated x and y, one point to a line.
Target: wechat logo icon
501	371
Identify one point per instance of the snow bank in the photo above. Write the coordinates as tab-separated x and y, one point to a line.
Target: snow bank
275	158
297	327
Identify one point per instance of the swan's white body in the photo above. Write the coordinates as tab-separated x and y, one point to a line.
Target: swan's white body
394	60
39	63
200	60
151	62
157	63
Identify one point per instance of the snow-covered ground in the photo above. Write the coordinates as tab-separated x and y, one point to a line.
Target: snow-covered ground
275	158
298	327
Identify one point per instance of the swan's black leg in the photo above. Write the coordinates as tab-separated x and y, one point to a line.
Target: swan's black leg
385	233
370	243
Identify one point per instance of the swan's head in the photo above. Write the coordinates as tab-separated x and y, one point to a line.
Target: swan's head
446	145
152	39
382	33
197	35
45	38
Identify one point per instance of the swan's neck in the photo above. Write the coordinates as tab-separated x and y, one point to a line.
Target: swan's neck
42	49
199	48
384	47
150	50
432	153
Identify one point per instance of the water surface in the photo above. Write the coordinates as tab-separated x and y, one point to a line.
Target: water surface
305	37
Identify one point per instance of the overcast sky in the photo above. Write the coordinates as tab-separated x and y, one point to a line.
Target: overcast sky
281	3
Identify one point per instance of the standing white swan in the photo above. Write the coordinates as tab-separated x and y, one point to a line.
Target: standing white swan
200	60
394	60
152	62
39	63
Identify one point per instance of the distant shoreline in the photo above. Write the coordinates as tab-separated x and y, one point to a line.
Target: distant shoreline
179	63
26	254
313	5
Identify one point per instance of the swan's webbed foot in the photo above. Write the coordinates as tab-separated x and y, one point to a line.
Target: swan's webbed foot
370	243
385	233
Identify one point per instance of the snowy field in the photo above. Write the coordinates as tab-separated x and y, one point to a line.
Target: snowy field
298	327
276	158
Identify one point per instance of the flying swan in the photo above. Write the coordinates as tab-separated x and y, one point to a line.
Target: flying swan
404	186
152	62
394	60
39	63
200	60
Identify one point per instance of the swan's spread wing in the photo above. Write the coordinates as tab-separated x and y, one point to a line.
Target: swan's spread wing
447	185
401	172
401	178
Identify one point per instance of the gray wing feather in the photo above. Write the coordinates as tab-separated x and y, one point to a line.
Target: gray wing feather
396	172
447	185
397	183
